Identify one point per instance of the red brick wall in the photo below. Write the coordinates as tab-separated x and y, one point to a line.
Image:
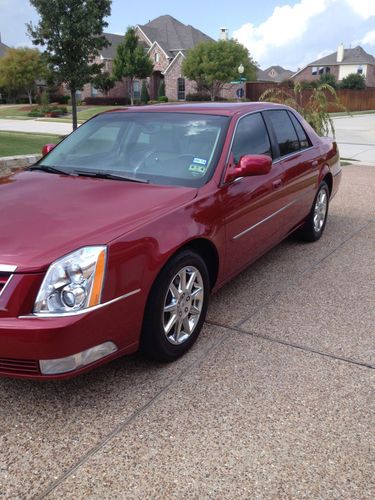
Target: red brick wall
171	78
306	74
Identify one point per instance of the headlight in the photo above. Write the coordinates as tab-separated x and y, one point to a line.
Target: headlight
73	282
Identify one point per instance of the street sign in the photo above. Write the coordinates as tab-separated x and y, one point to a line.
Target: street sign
237	82
240	93
243	79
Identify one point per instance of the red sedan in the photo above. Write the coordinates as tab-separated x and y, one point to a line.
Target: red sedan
114	240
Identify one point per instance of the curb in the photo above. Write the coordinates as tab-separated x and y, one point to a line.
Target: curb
10	163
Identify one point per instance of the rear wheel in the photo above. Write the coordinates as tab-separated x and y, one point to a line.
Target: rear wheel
176	308
315	224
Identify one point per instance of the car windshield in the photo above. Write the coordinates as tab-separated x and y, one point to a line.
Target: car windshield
161	148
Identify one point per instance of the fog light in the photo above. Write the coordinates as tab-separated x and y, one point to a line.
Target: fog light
70	363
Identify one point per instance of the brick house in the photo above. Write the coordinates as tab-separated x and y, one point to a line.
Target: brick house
340	64
167	41
278	73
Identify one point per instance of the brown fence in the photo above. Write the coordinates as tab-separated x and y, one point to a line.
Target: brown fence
353	100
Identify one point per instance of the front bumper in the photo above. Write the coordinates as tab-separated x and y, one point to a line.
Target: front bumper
26	340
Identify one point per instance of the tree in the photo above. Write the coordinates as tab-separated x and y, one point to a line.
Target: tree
72	33
213	64
353	81
145	96
329	79
104	82
161	90
131	61
19	69
314	111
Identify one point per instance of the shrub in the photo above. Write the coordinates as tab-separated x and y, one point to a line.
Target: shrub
145	96
198	96
107	101
35	114
353	81
329	79
59	99
44	101
163	98
161	90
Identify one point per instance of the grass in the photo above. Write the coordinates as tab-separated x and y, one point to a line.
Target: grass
15	143
84	113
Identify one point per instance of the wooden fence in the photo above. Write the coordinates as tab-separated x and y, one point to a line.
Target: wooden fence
353	100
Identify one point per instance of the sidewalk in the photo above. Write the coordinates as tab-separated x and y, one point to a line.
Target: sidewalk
35	126
355	136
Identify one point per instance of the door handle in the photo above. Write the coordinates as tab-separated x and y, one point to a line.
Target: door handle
277	184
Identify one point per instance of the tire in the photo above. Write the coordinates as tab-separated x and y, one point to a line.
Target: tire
175	314
316	221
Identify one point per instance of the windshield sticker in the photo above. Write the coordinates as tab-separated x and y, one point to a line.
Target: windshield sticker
200	161
198	169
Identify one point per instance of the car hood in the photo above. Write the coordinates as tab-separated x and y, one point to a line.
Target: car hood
44	216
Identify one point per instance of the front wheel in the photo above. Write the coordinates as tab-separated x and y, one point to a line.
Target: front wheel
315	223
176	308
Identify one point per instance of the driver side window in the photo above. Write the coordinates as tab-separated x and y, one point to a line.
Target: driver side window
251	137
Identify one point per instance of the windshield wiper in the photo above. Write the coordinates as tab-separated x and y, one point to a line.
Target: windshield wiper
49	169
106	175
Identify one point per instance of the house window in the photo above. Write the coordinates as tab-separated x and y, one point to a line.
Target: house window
360	69
137	89
94	91
328	69
321	70
314	70
157	57
181	89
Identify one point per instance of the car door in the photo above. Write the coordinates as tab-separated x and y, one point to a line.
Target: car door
298	160
251	205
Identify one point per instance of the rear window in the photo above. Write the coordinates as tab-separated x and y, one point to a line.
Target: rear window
286	135
303	139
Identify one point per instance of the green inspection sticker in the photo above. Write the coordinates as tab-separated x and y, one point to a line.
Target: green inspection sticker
198	169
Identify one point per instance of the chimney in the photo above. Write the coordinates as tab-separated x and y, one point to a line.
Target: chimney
340	53
224	34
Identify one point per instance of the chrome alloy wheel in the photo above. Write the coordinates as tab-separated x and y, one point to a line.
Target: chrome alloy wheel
183	305
320	210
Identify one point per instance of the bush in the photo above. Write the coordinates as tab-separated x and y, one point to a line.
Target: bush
198	96
353	81
328	78
163	98
107	101
35	114
145	96
161	90
59	99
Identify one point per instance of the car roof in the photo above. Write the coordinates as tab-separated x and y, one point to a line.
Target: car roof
212	108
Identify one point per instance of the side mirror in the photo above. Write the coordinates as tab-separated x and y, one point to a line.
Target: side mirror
47	148
249	165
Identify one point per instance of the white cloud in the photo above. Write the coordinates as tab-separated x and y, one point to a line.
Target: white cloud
363	8
369	38
285	25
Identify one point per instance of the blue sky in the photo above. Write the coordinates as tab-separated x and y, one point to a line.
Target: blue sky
286	32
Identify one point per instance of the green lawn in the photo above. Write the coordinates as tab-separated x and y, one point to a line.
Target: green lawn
84	113
14	143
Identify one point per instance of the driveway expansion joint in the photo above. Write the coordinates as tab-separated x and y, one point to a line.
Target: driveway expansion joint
294	281
291	344
122	425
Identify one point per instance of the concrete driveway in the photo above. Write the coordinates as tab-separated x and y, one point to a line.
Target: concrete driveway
275	400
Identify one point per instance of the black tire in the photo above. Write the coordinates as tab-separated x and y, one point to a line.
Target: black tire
309	232
154	342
